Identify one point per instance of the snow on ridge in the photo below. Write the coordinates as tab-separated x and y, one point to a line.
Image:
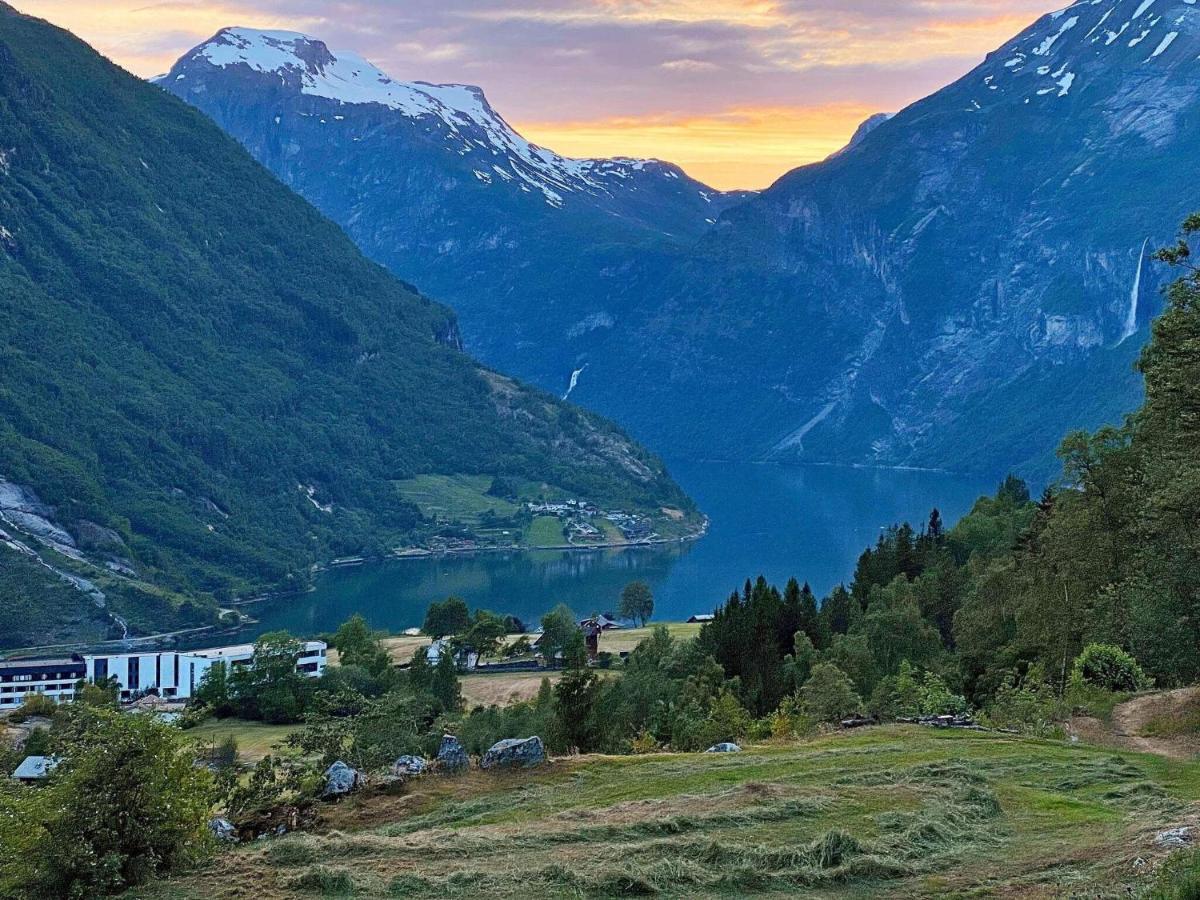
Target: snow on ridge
351	79
1055	49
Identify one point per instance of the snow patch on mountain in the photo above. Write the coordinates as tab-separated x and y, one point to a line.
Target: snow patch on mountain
1059	49
307	63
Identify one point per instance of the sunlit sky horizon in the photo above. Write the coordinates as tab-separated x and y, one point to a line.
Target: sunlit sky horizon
737	92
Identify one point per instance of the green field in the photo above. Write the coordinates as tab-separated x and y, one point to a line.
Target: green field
454	498
882	812
254	739
545	531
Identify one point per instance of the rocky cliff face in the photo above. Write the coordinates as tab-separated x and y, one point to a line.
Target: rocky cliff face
433	183
965	281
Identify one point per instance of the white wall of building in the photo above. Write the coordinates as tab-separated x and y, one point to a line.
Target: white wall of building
176	674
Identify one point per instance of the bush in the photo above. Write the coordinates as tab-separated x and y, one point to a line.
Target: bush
1109	667
126	804
34	705
1031	706
829	695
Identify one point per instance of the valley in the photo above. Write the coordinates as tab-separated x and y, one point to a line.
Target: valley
978	255
393	507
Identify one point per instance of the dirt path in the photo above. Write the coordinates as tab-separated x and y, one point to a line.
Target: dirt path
1130	719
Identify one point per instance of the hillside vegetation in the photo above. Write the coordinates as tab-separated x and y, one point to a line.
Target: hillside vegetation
197	361
881	813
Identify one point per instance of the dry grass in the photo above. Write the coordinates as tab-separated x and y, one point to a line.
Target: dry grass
401	647
501	690
622	640
877	813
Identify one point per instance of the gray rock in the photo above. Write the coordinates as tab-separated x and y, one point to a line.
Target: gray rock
222	829
91	536
410	765
1175	837
724	747
452	756
340	780
514	753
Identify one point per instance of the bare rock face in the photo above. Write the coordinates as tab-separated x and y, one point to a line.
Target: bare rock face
514	753
980	254
91	536
452	758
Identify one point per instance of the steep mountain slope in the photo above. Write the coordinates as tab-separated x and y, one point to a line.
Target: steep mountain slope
205	385
965	280
430	181
984	251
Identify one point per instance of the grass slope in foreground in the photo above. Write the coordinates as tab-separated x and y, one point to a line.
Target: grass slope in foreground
204	371
883	812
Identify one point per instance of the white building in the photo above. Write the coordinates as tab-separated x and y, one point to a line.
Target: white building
56	678
175	674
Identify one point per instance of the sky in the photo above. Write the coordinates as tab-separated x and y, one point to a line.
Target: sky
735	91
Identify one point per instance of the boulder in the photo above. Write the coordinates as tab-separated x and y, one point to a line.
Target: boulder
1174	837
724	747
452	756
514	753
409	765
222	829
340	780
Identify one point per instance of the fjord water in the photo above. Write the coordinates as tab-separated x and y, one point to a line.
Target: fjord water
811	522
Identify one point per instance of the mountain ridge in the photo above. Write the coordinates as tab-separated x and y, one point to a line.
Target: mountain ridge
208	389
970	258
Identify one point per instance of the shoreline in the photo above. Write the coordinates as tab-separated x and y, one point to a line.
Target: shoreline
215	630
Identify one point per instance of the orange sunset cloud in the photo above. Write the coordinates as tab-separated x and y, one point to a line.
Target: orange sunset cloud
735	91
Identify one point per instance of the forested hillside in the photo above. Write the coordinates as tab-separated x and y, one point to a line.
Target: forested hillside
1023	611
965	282
204	382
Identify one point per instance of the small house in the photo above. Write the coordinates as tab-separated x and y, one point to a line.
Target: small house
700	618
35	769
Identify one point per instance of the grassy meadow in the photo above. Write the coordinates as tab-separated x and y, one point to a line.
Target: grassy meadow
883	812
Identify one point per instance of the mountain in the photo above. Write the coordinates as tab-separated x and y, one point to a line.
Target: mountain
975	270
207	389
964	280
430	181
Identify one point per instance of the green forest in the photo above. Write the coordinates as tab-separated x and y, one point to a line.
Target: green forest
198	361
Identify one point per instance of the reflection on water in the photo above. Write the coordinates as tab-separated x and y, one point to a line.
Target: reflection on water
771	520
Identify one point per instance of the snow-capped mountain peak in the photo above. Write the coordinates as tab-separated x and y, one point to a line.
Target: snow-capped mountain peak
1061	53
308	65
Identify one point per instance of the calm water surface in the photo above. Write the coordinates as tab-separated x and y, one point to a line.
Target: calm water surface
776	521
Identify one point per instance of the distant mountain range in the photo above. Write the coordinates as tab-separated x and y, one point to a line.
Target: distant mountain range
207	389
965	280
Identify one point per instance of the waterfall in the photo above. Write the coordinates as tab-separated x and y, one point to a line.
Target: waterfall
1130	326
574	380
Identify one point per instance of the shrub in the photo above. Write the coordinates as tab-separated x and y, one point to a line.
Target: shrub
1109	667
34	705
1031	706
828	695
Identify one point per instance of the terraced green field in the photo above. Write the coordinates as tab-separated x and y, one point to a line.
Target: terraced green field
883	812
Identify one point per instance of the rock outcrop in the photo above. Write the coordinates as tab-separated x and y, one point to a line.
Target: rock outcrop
452	756
724	747
410	765
222	829
341	779
514	753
